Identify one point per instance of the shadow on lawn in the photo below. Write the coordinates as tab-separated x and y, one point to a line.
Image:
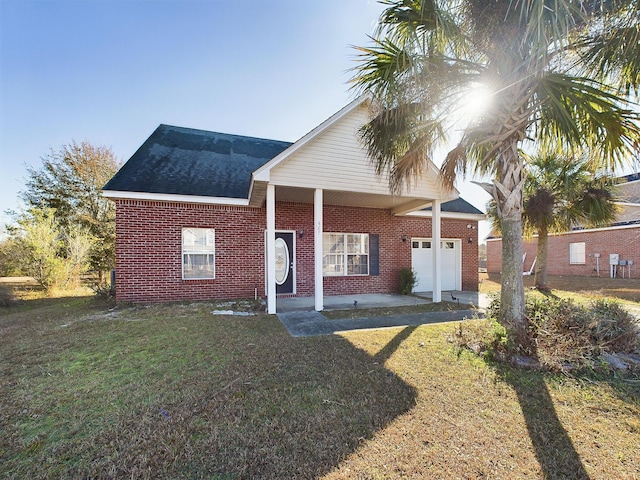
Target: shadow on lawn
553	447
281	408
312	411
385	353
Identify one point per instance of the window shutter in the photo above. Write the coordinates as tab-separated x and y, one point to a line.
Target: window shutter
374	254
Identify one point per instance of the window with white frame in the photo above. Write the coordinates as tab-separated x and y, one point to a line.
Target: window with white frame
345	254
198	253
577	253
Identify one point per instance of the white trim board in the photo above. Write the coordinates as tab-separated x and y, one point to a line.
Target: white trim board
169	197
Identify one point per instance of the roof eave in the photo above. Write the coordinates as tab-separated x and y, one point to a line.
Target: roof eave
169	197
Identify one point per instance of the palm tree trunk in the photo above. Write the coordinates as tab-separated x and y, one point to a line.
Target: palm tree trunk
508	189
512	291
541	265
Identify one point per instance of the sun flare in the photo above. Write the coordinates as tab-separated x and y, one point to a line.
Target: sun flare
475	101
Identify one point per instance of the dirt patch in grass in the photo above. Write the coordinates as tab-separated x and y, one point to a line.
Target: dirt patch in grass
172	391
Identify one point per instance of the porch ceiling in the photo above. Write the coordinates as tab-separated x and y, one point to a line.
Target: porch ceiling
354	199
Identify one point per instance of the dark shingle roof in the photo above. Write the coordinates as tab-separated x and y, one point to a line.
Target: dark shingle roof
458	206
185	161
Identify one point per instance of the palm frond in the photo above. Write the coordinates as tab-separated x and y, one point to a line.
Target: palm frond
455	163
580	112
399	141
615	55
552	22
610	47
411	165
426	25
380	67
409	16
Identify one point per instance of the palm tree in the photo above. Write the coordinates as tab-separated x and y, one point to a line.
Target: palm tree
548	66
560	193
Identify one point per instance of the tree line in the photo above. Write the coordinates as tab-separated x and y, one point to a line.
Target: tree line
66	228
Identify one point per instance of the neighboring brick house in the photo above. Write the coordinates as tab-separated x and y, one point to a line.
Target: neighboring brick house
587	252
195	211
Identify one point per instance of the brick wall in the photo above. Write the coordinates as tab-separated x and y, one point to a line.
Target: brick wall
622	240
148	249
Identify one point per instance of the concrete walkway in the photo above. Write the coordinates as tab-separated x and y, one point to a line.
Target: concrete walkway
300	320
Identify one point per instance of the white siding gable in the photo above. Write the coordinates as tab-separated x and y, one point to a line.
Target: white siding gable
336	160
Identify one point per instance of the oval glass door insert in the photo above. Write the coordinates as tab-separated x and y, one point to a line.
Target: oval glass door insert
282	261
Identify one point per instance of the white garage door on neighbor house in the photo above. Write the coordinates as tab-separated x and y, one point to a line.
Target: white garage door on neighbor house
422	261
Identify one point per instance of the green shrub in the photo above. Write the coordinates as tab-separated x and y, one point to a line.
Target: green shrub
408	280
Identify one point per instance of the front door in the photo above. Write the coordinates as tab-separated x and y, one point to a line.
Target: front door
285	262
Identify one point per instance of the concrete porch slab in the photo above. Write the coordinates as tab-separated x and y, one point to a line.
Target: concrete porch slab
377	300
346	302
300	319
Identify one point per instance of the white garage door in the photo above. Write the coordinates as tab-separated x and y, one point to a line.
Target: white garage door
422	260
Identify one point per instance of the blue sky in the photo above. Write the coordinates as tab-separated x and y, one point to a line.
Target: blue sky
110	72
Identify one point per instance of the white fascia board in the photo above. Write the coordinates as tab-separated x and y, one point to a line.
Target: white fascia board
168	197
263	173
628	204
250	188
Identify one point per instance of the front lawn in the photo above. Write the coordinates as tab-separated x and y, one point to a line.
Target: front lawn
172	391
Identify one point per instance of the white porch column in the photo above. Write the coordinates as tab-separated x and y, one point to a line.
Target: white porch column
317	249
271	251
436	252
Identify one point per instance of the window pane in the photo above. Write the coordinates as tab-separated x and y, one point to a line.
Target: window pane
198	253
332	258
577	253
332	243
357	264
357	243
188	237
415	244
332	265
197	265
341	248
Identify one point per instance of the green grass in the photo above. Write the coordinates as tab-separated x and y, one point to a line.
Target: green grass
401	310
172	391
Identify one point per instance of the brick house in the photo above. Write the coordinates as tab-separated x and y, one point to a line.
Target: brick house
587	252
203	215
